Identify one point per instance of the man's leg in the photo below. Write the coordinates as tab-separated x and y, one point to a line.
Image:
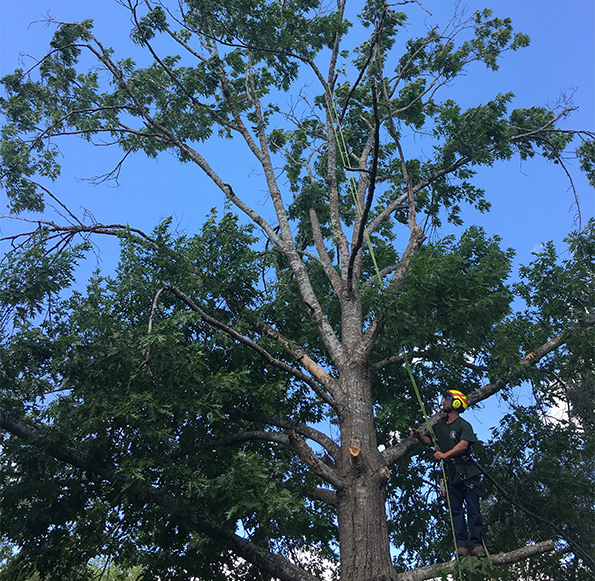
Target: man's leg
472	494
456	495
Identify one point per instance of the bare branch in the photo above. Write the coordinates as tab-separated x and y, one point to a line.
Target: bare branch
397	359
304	430
70	231
302	357
363	217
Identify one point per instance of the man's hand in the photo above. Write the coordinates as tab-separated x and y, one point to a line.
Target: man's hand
419	436
415	434
459	449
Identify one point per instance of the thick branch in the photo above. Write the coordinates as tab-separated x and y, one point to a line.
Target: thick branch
332	147
440	569
323	257
302	357
244	340
307	431
363	213
325	495
35	436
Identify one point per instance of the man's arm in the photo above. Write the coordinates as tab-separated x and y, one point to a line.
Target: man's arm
457	450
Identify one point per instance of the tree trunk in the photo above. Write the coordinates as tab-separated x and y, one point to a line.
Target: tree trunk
363	530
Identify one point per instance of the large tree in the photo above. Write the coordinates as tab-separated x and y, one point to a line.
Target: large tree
237	403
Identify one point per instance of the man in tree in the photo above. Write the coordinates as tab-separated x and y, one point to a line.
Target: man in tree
218	406
454	437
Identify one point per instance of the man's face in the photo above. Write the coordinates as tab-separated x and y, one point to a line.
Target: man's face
447	402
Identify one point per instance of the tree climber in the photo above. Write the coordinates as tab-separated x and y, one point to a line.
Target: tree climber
454	437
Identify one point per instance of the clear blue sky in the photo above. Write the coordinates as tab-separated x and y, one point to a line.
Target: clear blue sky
531	200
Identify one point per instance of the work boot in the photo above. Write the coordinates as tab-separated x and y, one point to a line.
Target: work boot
479	551
462	552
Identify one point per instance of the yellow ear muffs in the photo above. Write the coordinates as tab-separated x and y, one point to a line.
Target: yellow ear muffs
456	404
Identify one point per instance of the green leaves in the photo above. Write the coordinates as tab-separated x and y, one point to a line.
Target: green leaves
480	134
586	154
154	21
493	36
189	425
546	470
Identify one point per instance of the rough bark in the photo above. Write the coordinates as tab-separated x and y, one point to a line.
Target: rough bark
361	512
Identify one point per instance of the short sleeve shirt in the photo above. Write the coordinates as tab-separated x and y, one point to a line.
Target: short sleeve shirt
449	435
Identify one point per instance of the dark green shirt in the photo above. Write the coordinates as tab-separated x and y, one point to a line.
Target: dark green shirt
448	436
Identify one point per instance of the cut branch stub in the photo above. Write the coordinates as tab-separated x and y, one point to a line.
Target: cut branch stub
354	450
357	460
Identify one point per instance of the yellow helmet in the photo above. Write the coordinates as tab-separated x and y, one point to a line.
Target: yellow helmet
459	400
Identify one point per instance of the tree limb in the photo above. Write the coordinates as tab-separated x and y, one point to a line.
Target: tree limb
407	445
307	431
441	569
307	456
360	224
325	495
302	357
246	341
416	239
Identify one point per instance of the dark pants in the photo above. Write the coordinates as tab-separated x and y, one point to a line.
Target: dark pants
466	493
